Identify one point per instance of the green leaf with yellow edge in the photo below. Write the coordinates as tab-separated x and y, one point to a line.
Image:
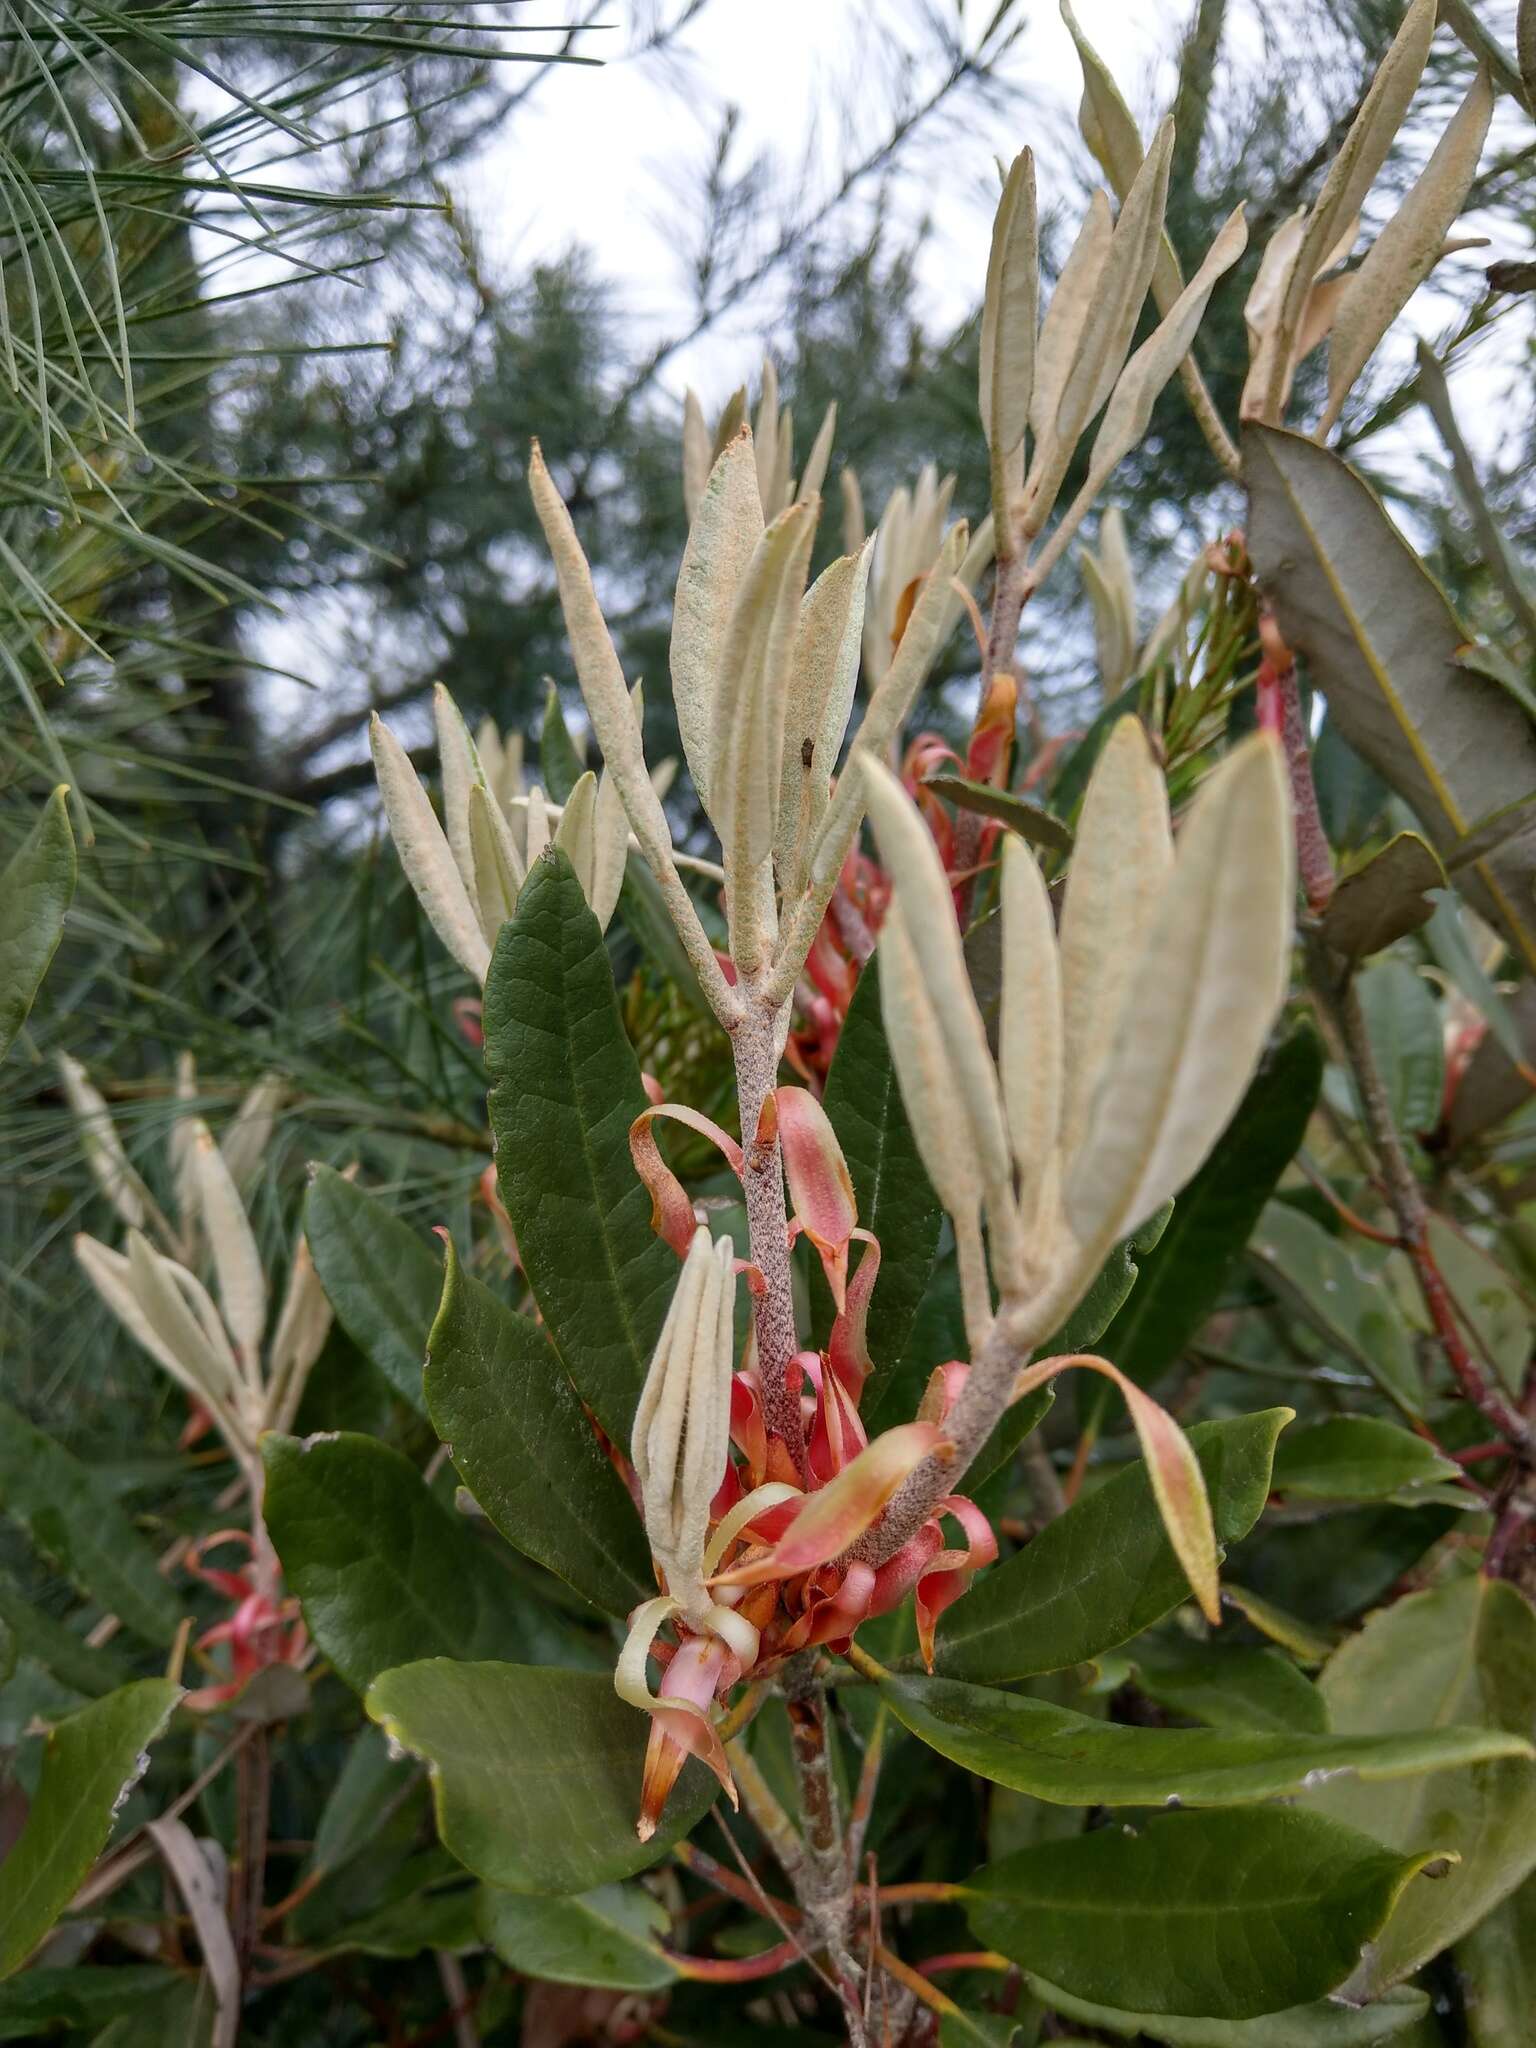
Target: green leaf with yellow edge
1380	639
526	1449
1323	2023
1463	1652
382	1277
1103	1571
535	1773
91	1761
1072	1759
609	1938
1222	1915
383	1570
567	1088
36	887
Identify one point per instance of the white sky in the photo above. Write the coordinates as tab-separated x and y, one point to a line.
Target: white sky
588	158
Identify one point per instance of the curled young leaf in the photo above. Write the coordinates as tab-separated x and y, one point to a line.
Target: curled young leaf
110	1165
1178	1484
840	1512
1061	330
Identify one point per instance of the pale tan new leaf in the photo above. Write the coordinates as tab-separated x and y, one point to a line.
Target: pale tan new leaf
822	680
726	529
1353	171
1408	247
461	770
237	1266
922	889
1010	313
1062	327
576	833
1119	868
1029	1054
424	852
1206	984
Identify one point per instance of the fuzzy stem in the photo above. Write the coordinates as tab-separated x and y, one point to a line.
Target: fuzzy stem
755	1045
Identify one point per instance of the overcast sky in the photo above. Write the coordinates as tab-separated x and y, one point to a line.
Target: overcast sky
597	156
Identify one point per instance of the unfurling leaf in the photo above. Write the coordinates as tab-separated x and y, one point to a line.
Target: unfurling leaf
839	1512
236	1260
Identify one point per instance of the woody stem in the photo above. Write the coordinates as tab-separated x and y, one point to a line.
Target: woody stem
755	1046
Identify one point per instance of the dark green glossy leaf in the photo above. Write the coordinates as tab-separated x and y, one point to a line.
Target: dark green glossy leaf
1104	1570
73	1661
1380	639
72	1516
382	1277
896	1200
1465	1651
1383	899
1073	1760
1029	820
525	1449
1313	1273
567	1090
1402	1021
384	1571
1224	1915
91	1760
535	1773
1322	2024
36	886
1356	1457
610	1938
84	1996
1332	1567
1229	1686
1111	1289
1213	1219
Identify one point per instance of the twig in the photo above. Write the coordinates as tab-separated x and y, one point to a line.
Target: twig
461	2005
